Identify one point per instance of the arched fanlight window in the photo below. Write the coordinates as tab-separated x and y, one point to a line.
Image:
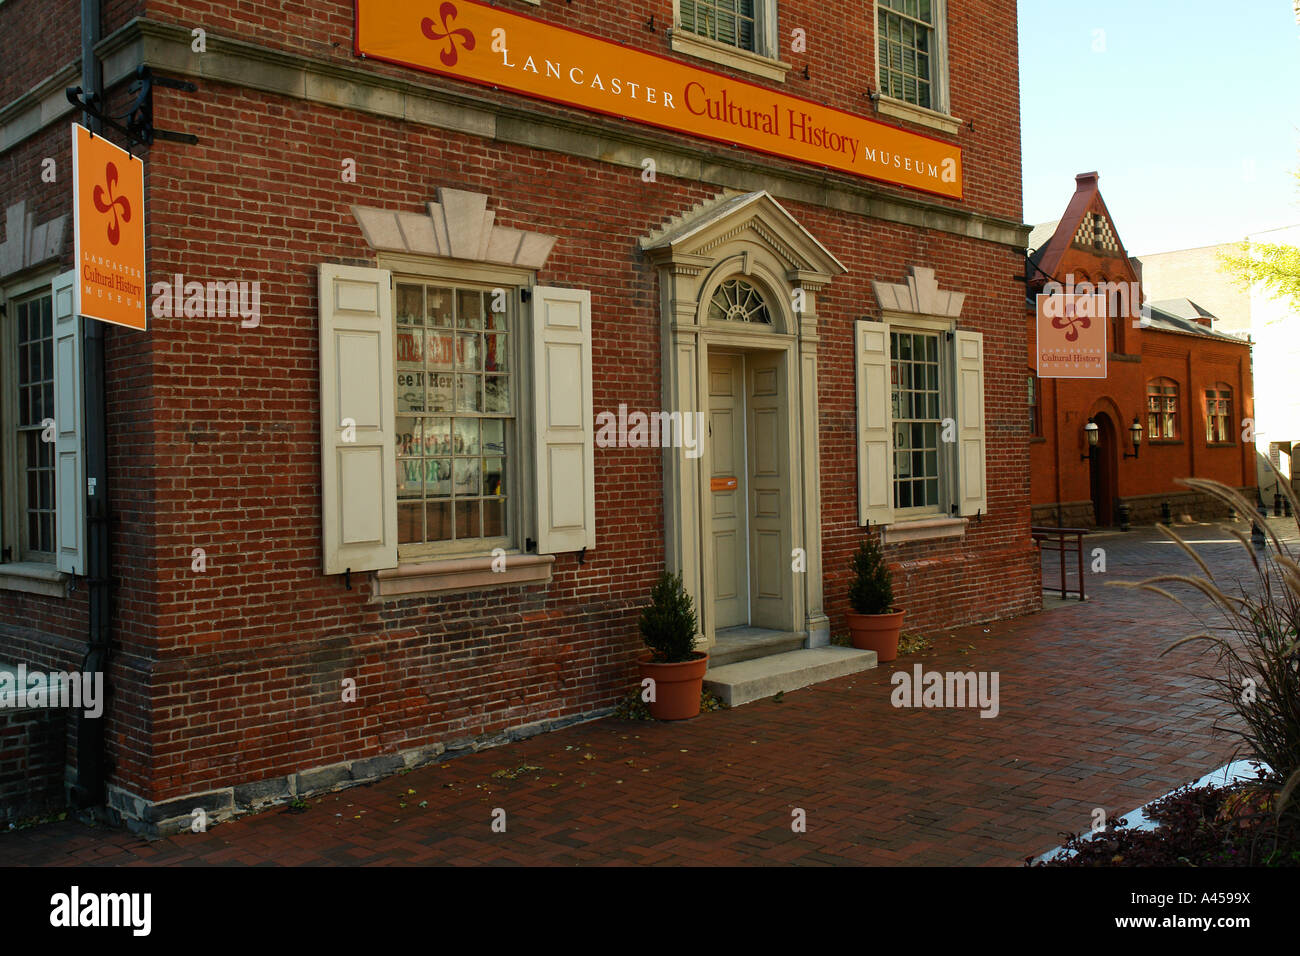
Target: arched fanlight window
738	301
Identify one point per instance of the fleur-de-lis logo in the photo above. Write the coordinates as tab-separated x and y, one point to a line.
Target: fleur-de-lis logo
106	202
1071	322
451	54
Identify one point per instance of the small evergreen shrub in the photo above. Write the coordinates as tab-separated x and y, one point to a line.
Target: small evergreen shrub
872	590
668	624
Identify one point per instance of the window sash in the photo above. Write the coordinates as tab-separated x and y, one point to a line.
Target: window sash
32	393
455	337
733	22
907	36
1162	412
921	461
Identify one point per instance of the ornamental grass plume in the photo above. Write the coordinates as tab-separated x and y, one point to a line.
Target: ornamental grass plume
1254	654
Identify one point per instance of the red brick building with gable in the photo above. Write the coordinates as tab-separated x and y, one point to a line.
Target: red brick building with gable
1187	387
367	523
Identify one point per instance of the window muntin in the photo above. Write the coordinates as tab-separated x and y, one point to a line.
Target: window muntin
1162	409
738	301
906	43
733	22
917	406
1218	415
456	420
1035	407
34	359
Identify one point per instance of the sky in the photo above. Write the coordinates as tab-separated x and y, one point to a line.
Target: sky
1189	110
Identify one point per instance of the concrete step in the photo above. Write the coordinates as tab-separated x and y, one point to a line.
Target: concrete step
737	644
746	681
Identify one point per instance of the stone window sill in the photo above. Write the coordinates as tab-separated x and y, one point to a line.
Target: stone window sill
924	529
900	109
726	55
1221	444
34	577
462	574
1164	441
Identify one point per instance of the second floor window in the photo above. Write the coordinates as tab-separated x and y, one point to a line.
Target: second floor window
907	50
1218	415
733	22
1162	409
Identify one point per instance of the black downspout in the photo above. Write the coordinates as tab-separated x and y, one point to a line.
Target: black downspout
88	791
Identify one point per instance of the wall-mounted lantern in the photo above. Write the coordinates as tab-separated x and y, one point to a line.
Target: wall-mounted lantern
1093	433
1135	436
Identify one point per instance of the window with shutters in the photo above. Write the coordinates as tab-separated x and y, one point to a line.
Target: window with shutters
910	52
457	440
919	400
1162	410
28	367
1218	415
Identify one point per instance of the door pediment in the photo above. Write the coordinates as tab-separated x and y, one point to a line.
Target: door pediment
693	241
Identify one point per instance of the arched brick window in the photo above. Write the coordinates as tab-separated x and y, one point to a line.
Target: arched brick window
1162	409
1218	414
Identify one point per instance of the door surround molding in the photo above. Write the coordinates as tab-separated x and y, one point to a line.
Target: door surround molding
746	235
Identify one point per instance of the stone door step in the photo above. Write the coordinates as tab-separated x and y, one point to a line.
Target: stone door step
746	643
747	681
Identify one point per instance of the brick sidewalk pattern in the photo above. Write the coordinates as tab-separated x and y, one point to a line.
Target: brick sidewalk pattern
1090	717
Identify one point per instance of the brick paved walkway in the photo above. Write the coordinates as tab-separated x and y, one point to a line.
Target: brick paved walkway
1089	718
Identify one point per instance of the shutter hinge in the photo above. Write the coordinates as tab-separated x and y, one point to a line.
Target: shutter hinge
347	578
530	545
525	295
582	555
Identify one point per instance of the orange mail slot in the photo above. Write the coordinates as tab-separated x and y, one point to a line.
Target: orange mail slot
722	484
494	47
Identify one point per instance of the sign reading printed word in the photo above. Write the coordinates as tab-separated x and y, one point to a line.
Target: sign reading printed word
1071	336
489	46
108	230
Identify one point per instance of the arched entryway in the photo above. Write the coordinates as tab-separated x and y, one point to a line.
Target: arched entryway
1103	470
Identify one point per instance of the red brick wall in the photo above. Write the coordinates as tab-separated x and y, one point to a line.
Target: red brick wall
235	674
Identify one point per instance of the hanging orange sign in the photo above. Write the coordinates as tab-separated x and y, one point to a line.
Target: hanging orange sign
490	46
108	230
1071	336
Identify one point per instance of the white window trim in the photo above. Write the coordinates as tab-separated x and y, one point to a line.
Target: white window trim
32	577
763	62
940	117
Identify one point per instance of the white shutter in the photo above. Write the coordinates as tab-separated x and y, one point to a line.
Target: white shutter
358	483
875	424
69	413
564	428
971	442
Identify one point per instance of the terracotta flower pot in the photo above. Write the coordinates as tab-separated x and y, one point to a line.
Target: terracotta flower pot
877	632
677	686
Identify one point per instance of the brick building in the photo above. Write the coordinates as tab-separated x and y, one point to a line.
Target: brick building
405	499
1187	387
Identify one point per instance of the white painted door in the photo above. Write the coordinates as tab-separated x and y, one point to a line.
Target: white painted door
728	490
769	492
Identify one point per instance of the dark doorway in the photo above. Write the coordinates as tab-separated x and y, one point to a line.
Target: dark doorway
1103	468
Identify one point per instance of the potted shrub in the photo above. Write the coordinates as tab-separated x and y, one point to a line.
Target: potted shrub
668	628
873	621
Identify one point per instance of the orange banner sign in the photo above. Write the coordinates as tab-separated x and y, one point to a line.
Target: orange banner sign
108	230
490	46
1071	336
